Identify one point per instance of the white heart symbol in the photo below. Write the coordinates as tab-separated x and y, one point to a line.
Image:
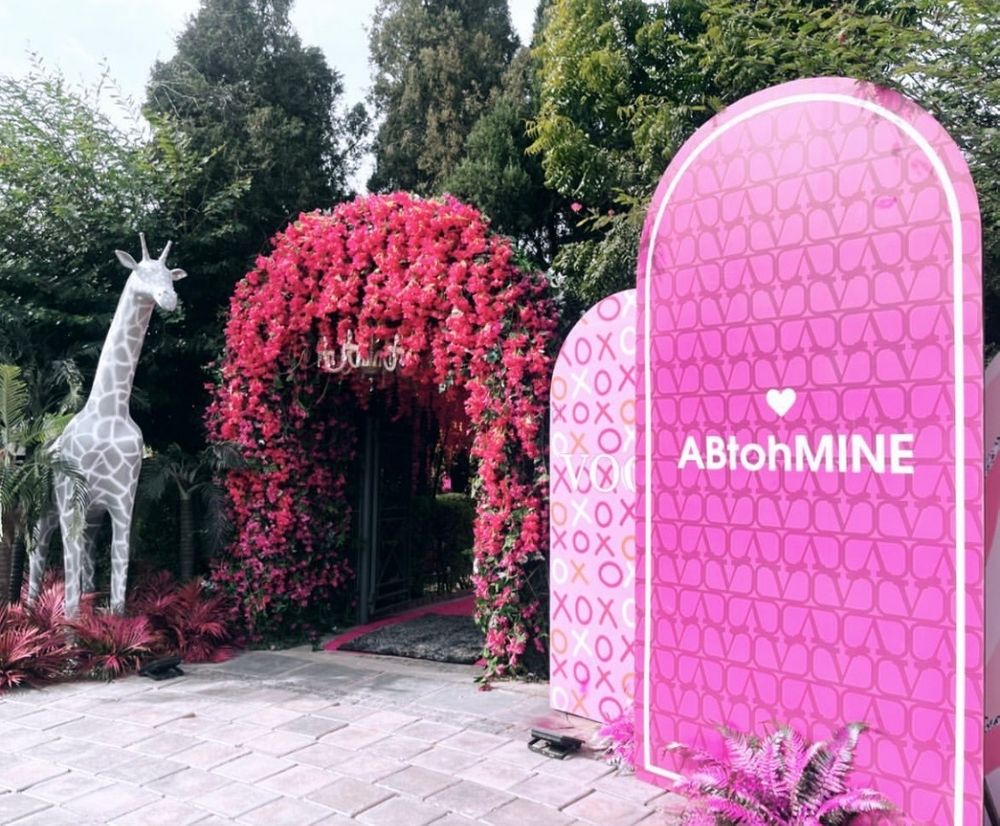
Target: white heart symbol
781	401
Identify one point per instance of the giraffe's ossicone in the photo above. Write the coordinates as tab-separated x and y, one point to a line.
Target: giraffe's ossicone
103	442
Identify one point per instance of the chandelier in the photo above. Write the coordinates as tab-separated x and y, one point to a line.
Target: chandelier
350	358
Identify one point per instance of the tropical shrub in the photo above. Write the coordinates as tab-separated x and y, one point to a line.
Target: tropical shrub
191	622
108	645
777	780
29	655
38	644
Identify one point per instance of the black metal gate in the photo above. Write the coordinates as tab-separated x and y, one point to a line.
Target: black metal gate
386	552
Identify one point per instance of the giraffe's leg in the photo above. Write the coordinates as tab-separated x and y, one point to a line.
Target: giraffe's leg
38	552
88	561
73	545
121	523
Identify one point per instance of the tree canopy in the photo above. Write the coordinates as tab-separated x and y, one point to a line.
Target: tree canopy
261	112
435	64
624	82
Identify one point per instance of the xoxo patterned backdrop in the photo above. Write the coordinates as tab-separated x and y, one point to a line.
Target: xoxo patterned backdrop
592	514
810	545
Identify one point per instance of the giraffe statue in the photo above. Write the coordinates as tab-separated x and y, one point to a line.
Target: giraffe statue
103	442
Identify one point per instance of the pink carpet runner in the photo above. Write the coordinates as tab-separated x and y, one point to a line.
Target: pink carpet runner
461	607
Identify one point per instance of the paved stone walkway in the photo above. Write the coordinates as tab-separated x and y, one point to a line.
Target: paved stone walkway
298	738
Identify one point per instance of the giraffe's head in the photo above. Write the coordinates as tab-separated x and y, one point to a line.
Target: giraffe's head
150	277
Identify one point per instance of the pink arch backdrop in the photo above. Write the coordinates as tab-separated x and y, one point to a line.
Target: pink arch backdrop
811	267
592	514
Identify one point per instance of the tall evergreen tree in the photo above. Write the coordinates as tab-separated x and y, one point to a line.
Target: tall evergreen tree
436	63
498	175
263	110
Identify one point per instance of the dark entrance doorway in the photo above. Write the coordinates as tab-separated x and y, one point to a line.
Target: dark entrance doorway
413	516
387	546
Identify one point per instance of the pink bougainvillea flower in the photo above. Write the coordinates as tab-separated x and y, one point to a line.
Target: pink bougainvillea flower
576	206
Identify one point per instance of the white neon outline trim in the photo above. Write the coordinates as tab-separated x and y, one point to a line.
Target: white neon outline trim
958	365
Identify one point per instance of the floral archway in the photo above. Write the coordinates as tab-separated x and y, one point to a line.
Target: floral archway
467	319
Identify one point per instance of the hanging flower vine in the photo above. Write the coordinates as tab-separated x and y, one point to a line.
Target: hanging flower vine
468	321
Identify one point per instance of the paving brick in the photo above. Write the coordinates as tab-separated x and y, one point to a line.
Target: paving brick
474	742
350	796
452	819
10	710
164	812
192	725
148	714
99	731
398	811
286	811
322	755
269	695
111	801
278	743
430	731
46	718
234	799
79	754
164	744
354	737
605	810
142	769
520	812
335	820
346	712
21	772
387	720
581	769
312	725
14	806
450	761
629	787
223	711
188	783
543	789
253	767
66	787
398	747
517	751
54	817
269	716
416	781
236	734
370	767
307	705
209	754
298	781
495	773
17	739
471	799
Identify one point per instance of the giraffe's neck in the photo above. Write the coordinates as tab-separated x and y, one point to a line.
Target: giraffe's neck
120	355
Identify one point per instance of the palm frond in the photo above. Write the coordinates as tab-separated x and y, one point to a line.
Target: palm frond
13	401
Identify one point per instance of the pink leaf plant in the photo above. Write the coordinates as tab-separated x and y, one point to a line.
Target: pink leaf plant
777	780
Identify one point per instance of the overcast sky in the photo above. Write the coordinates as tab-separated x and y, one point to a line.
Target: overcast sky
79	36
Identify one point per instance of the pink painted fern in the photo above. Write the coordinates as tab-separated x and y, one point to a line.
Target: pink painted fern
779	780
617	740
